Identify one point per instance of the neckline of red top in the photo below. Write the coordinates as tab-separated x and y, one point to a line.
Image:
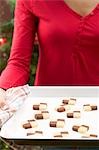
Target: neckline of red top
74	12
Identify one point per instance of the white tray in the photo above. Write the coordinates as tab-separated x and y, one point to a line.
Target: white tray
53	96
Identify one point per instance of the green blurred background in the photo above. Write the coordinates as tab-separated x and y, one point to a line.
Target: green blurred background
6	31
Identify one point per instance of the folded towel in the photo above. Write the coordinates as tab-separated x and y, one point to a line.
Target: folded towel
15	97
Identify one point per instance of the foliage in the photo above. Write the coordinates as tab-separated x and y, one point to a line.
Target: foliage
6	30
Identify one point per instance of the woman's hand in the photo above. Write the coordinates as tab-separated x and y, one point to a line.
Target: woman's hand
2	98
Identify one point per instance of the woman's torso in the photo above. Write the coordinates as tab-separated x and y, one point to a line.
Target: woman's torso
69	44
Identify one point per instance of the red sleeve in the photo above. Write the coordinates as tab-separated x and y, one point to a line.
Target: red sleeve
17	70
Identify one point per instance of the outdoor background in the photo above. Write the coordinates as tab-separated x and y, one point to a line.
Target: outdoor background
6	32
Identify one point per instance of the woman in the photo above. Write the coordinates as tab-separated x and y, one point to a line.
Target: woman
68	36
69	43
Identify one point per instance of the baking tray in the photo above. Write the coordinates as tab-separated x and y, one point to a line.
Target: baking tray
53	96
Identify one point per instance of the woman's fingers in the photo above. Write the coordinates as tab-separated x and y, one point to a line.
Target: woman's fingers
2	98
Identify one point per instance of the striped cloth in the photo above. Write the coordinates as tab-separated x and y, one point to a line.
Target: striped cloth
15	97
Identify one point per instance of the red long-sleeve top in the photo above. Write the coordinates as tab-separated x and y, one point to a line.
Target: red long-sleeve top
69	45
